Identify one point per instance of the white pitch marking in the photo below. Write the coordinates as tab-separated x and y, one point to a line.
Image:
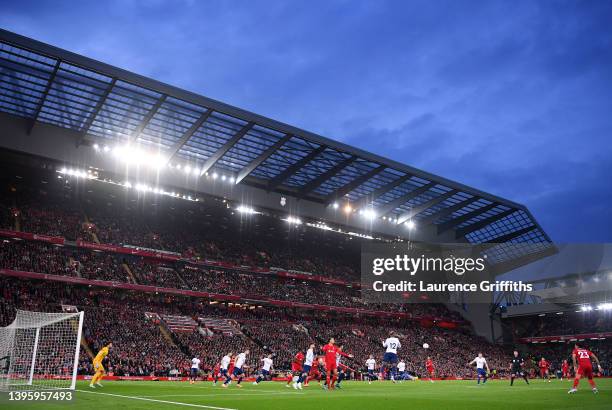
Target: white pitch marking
178	403
229	394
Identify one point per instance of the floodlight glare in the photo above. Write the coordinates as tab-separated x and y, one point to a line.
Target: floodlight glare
245	209
157	161
369	214
293	220
604	306
410	225
335	205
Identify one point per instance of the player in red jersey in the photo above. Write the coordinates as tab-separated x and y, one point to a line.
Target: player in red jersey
317	371
296	369
544	366
331	368
583	367
565	370
430	368
230	369
215	372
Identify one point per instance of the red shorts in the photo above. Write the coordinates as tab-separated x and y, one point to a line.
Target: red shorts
296	368
543	370
585	371
329	366
430	370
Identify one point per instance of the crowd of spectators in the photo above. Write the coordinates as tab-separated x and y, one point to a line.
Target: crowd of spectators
97	265
52	219
149	272
139	347
66	260
35	257
269	286
203	230
210	349
569	323
209	230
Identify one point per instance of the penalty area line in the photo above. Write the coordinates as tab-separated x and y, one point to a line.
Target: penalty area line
178	403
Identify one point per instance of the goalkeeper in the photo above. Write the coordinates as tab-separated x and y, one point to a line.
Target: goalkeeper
98	368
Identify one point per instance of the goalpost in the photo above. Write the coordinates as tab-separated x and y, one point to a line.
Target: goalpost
40	351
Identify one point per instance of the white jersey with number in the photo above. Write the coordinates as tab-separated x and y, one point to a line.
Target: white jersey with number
267	363
309	357
480	362
392	344
401	366
240	360
225	362
195	363
371	363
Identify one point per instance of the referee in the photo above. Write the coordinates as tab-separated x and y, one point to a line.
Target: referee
516	368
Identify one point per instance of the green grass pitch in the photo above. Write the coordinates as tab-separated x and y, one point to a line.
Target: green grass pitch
422	395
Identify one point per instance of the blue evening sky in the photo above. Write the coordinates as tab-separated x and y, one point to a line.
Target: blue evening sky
512	97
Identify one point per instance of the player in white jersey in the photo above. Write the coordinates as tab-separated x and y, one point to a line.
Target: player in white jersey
371	366
265	369
391	344
401	369
195	370
403	374
481	365
308	360
223	367
238	369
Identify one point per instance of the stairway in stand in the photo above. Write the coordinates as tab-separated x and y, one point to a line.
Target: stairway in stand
227	327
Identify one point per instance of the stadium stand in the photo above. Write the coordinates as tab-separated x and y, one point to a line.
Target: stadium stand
198	257
144	347
168	277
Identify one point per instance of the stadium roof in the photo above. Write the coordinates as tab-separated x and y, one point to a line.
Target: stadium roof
108	105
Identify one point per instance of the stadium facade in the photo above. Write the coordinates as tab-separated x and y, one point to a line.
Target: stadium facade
60	104
85	116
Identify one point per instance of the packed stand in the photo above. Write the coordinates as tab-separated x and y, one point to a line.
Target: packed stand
140	348
570	323
202	231
65	260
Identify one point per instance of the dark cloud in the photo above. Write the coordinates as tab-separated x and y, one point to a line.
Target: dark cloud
510	97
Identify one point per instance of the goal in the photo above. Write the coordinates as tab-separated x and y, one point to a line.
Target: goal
40	351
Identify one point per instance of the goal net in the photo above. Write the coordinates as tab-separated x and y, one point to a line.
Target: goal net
40	351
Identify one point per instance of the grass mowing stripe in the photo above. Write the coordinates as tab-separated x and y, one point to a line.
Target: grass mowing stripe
178	403
229	394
